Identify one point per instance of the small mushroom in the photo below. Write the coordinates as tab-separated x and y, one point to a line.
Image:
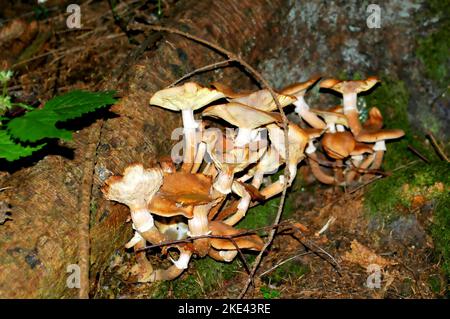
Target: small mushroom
375	120
313	159
338	145
176	269
252	242
136	188
335	121
301	107
189	195
246	118
229	159
186	98
268	164
350	90
297	139
357	159
224	249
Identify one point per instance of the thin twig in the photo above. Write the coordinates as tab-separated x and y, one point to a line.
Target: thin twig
283	262
264	83
436	146
381	176
205	68
416	152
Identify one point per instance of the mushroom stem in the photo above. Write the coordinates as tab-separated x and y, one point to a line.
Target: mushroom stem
189	149
292	167
379	148
145	225
198	226
363	166
274	188
302	109
357	161
257	179
173	271
317	171
144	267
244	136
351	111
224	181
199	157
338	172
242	208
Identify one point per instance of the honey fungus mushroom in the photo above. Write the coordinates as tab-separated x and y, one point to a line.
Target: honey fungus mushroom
349	91
136	188
246	118
301	107
224	249
186	98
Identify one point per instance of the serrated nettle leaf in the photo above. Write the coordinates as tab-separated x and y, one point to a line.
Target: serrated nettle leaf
37	125
12	151
76	103
41	123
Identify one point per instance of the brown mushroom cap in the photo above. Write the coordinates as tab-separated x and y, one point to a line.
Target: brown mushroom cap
263	100
241	115
168	208
189	96
375	120
313	132
355	86
229	92
338	145
380	135
186	188
217	228
299	88
297	138
361	148
332	117
179	194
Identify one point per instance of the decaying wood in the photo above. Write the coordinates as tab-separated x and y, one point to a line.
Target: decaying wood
48	199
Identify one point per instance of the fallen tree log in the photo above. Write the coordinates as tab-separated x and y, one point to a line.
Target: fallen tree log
53	200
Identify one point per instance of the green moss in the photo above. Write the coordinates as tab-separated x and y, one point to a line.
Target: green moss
394	194
392	98
206	276
433	50
293	269
269	293
441	230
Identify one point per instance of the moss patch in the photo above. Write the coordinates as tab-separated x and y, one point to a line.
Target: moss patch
392	98
433	50
408	188
291	270
206	276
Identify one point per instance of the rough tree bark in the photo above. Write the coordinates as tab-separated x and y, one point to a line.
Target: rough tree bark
49	197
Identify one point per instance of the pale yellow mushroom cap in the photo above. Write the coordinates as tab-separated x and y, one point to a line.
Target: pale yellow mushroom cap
263	100
299	88
355	86
135	188
189	96
241	115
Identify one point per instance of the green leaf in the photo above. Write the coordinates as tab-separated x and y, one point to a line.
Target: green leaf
12	151
41	123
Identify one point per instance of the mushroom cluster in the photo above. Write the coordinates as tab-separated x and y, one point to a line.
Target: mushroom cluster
221	174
